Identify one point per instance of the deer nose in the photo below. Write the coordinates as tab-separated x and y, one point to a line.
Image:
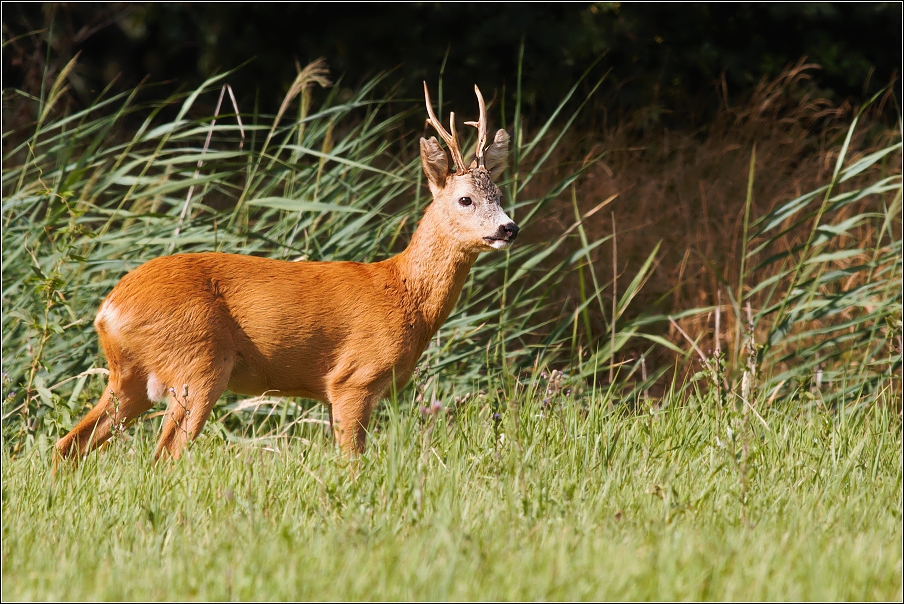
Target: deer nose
510	230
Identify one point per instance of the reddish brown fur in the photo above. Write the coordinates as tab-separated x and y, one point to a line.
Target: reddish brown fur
193	325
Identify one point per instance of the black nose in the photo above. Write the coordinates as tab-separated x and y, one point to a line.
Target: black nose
510	230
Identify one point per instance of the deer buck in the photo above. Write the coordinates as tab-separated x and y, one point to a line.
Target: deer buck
191	326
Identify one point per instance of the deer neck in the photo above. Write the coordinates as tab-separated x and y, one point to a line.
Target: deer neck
433	269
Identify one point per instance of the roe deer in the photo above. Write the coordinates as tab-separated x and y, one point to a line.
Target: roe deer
194	325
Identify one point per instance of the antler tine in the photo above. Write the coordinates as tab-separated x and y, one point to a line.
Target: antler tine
431	117
451	139
481	128
457	152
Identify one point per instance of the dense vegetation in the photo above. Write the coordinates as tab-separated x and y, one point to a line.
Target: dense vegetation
812	311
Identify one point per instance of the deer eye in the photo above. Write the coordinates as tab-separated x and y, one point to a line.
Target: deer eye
465	201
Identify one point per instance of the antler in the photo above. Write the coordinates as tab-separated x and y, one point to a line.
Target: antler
451	139
481	129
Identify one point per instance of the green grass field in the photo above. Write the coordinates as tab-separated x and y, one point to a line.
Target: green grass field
581	500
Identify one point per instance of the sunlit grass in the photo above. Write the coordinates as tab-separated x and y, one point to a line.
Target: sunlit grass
572	499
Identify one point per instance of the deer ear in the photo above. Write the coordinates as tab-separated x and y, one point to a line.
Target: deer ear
496	155
436	166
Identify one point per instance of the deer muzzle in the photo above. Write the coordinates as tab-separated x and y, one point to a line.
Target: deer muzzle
504	236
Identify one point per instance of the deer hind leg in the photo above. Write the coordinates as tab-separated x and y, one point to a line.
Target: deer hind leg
125	398
191	402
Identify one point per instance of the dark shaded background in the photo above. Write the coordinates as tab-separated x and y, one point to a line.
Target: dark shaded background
665	55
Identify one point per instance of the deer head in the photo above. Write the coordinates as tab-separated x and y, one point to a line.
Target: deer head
467	198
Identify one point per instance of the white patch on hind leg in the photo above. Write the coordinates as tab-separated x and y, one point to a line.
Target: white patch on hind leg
156	388
109	317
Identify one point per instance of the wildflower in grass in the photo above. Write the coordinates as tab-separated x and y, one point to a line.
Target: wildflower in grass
432	410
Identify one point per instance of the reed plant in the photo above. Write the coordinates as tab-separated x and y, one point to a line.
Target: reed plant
84	203
813	313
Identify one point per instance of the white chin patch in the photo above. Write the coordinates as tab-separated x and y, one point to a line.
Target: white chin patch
499	244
